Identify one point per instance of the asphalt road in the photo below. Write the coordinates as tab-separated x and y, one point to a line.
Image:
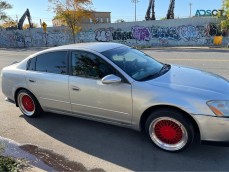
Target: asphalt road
109	147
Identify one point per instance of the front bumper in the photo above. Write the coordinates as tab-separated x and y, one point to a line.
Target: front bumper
213	129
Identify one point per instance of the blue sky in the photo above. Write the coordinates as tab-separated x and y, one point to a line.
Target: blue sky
120	9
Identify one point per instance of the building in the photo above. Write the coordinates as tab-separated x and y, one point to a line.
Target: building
97	17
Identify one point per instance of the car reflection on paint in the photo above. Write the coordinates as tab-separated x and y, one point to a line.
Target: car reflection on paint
116	84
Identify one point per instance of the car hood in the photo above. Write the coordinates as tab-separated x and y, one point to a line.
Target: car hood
179	76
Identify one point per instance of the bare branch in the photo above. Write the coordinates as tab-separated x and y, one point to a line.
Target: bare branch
4	6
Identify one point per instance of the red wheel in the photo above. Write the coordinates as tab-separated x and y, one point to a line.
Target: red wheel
28	103
171	132
168	131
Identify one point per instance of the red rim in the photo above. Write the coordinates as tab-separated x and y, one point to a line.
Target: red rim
27	103
168	131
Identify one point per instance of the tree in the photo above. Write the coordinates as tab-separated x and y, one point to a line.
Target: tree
163	18
4	6
225	21
9	24
120	21
72	12
27	26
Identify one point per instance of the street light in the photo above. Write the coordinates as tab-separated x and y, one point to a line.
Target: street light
135	2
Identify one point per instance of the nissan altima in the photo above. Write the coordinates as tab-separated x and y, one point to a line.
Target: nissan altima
116	84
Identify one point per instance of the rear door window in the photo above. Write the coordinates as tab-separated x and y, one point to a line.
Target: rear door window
53	62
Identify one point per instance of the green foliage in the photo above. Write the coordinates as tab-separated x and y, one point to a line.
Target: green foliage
4	5
225	24
10	164
163	18
2	146
225	20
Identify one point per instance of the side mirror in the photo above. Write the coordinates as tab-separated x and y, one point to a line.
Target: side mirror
111	79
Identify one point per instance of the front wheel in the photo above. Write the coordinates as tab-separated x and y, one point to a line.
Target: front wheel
28	104
169	130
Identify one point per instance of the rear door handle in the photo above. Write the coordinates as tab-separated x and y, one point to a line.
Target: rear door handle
74	88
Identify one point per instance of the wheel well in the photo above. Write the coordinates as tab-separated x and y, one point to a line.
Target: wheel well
148	111
16	92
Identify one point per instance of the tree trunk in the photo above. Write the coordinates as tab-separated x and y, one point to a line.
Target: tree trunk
74	37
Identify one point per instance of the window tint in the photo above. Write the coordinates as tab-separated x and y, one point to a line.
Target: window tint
90	66
31	64
55	62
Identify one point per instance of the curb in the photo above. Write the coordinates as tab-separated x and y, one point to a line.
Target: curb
34	169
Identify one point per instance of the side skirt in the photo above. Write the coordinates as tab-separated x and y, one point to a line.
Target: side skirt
89	117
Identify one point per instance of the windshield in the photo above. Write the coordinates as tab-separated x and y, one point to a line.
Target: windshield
136	64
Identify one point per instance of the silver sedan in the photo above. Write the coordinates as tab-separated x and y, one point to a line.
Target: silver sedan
116	84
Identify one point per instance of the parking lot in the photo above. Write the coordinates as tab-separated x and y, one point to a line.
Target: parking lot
112	148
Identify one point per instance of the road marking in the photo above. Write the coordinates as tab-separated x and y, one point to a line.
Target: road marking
205	60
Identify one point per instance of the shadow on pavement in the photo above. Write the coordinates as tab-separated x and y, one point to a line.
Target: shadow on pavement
127	148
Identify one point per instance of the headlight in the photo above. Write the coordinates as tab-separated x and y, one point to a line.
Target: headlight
220	108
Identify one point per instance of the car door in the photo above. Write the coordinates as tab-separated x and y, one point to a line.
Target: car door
47	78
90	97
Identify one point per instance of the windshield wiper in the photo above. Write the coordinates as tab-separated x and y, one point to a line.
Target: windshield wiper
152	76
163	70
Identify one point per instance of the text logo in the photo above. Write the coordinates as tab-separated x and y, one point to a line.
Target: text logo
210	13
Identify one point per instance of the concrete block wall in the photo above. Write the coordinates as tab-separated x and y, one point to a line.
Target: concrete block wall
177	32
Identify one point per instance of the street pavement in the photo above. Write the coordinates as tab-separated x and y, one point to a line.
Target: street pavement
112	148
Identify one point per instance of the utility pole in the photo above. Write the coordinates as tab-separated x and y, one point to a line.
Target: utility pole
16	18
190	4
135	3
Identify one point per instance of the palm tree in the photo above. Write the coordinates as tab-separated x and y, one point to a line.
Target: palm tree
151	6
170	14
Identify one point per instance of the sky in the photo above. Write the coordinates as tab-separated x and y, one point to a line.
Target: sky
120	9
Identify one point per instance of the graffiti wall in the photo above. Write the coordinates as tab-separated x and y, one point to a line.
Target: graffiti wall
178	32
35	37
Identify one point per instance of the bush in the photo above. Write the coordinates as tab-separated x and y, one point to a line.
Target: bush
1	148
10	164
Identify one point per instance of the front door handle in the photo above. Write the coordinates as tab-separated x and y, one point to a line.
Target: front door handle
30	80
74	88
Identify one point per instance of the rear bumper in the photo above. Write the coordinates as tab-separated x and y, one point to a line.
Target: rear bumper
213	129
9	100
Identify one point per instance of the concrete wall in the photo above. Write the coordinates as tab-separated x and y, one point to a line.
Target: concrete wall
178	32
35	37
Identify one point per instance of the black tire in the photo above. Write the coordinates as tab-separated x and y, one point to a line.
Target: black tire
28	104
170	130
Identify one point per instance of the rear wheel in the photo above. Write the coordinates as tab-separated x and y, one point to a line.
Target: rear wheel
28	104
169	130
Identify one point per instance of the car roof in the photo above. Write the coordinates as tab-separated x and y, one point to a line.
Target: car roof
95	46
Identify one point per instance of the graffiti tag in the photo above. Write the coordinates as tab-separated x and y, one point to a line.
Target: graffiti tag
141	33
